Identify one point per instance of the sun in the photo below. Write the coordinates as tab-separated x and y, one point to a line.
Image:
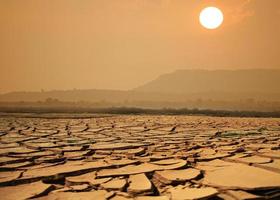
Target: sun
211	17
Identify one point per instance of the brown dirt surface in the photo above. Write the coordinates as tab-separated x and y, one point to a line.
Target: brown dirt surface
139	157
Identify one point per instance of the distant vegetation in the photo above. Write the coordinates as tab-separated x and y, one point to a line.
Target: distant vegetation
200	104
134	110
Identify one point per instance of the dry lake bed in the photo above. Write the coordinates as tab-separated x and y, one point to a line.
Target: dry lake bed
139	157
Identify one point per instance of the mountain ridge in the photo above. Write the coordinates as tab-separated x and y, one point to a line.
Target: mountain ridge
195	81
260	84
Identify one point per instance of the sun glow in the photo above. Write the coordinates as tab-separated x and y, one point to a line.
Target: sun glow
211	17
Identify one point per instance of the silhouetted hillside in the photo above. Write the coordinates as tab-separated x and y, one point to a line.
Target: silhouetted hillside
221	89
87	95
219	84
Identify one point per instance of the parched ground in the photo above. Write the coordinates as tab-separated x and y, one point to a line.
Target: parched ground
139	157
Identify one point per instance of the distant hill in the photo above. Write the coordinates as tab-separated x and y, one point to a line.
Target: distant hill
220	89
87	95
228	84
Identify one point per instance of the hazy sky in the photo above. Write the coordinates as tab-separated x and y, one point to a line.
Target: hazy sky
121	44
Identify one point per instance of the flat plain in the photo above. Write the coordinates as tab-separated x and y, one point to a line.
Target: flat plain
143	157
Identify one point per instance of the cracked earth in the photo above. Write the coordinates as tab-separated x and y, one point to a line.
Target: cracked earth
139	157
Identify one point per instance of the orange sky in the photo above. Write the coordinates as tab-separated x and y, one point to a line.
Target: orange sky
121	44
